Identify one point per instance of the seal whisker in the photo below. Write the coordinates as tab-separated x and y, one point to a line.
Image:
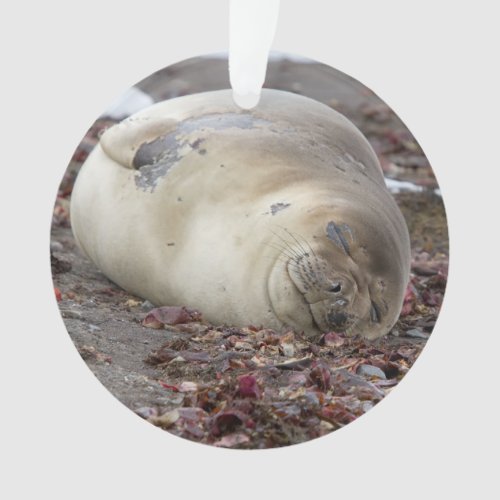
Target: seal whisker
353	326
295	239
293	265
296	258
288	260
285	260
297	255
283	251
287	243
296	269
309	245
281	248
304	239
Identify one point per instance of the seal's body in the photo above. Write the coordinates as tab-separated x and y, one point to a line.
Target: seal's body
278	216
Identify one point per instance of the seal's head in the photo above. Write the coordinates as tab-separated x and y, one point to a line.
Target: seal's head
337	300
345	285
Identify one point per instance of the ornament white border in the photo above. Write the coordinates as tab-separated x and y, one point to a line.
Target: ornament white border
64	435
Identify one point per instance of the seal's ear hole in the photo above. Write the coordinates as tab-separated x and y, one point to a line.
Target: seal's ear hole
335	288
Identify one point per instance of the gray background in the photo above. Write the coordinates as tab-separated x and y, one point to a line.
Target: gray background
435	436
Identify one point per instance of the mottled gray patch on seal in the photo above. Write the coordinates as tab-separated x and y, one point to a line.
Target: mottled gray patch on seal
276	207
340	234
196	144
154	159
219	121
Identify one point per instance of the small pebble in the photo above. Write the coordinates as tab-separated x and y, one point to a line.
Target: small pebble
288	350
71	314
327	426
132	303
55	246
177	359
147	306
243	346
367	405
417	334
147	412
370	371
165	420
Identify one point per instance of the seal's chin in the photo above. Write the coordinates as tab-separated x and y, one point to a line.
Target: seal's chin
330	318
340	318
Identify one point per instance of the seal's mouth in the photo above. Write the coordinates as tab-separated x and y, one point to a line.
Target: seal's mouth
345	320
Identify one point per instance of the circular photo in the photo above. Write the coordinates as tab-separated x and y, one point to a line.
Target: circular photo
249	278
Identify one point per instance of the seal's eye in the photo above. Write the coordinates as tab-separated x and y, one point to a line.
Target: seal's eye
375	314
335	288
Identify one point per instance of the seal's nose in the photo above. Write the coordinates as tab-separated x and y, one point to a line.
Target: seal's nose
337	319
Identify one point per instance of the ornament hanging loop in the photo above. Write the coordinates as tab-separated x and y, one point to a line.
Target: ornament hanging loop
252	24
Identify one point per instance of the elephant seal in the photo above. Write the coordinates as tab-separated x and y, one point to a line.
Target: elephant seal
276	216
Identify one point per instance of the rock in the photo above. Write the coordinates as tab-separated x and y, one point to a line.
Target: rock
132	303
367	405
90	353
231	440
243	346
178	359
71	314
147	306
288	350
187	386
59	266
166	420
55	246
147	412
416	334
370	371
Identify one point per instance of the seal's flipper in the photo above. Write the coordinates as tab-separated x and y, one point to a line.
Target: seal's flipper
123	141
